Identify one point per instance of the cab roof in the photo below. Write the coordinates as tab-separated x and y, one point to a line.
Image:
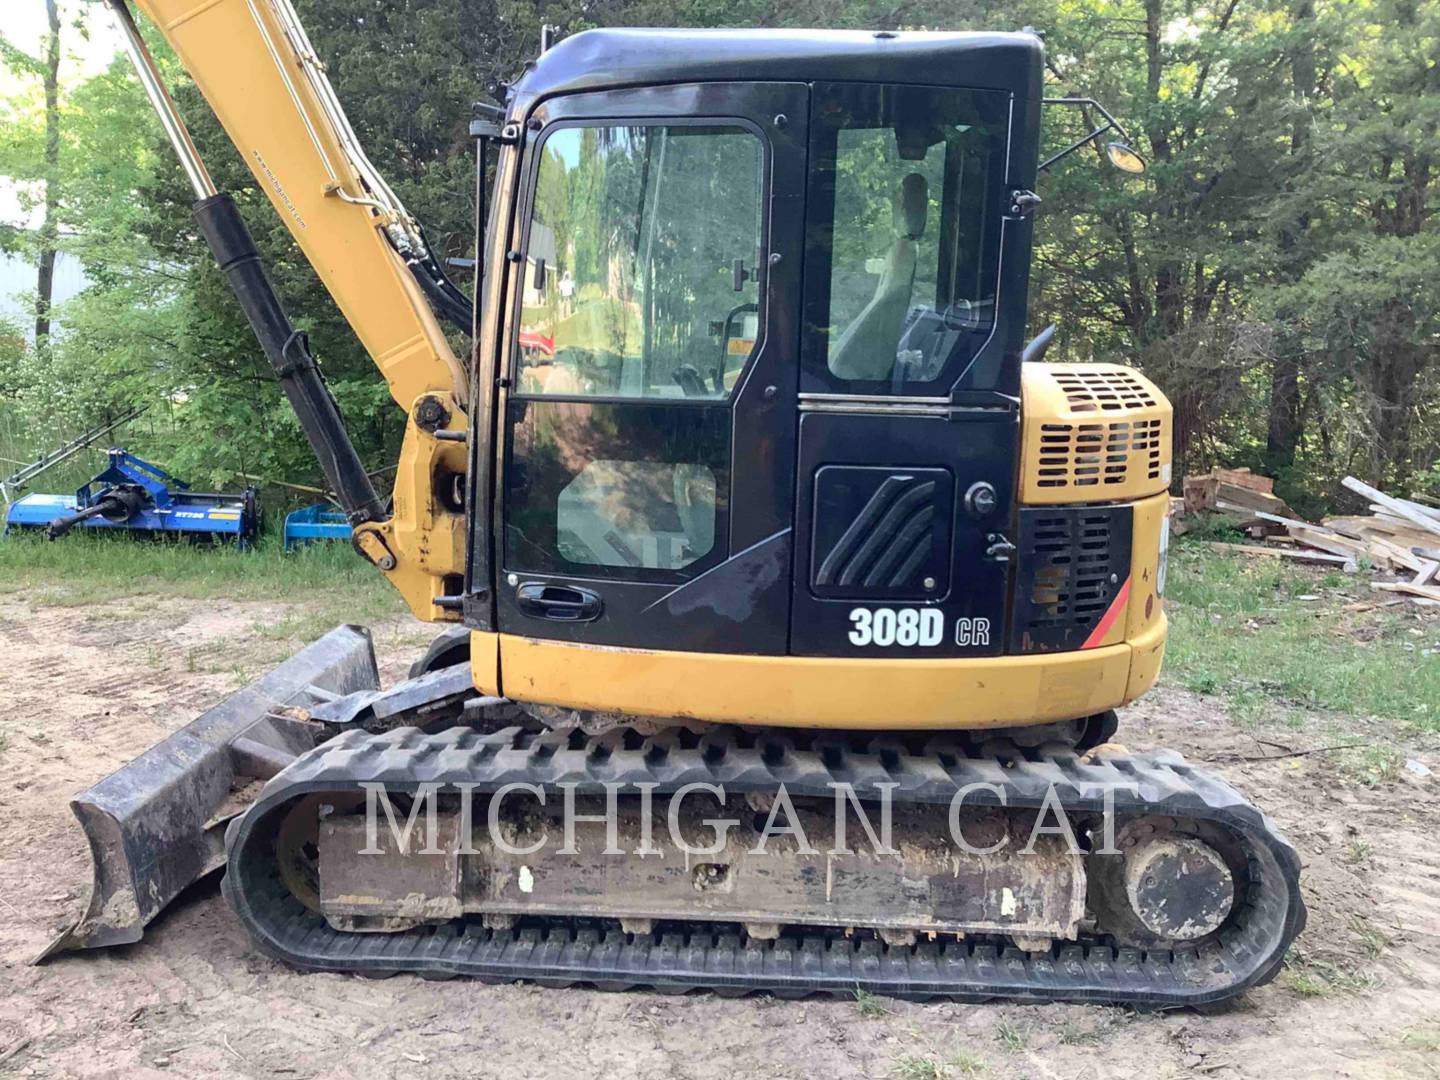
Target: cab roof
611	59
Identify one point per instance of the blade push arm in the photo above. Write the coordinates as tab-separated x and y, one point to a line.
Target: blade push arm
255	66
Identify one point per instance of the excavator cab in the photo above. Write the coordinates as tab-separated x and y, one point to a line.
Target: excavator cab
753	312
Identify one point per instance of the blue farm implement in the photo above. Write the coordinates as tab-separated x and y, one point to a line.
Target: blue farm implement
320	521
138	497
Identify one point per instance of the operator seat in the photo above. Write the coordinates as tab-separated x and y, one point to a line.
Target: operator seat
866	350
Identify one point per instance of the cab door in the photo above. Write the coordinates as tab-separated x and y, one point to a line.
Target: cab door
646	473
909	394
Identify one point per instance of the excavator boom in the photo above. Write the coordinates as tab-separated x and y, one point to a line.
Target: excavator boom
258	72
261	78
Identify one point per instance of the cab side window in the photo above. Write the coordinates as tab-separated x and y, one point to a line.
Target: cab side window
902	235
639	277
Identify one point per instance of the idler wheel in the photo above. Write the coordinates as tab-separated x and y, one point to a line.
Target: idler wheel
1166	886
1178	887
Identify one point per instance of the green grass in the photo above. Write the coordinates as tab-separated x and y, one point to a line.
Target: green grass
918	1067
1215	527
333	583
1071	1033
1236	631
1426	1040
922	1067
1012	1036
1311	976
1358	851
1372	765
1372	940
868	1005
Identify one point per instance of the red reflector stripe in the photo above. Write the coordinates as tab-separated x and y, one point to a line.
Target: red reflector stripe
1108	619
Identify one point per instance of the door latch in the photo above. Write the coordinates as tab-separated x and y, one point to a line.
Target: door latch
1023	203
998	549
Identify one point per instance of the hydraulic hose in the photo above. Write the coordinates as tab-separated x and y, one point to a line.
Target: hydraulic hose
288	351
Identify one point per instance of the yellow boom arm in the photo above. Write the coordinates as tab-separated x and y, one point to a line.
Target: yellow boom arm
260	76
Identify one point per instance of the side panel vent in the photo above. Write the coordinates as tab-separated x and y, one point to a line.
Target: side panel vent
1107	389
1092	433
1099	454
1070	567
881	533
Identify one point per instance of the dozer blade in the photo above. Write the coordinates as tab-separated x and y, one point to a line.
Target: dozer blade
158	824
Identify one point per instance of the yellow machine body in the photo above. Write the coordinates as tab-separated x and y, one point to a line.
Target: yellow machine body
1091	433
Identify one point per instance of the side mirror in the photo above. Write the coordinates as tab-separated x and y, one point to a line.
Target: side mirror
1124	158
1120	154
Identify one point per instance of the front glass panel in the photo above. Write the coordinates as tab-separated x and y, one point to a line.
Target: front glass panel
640	265
903	235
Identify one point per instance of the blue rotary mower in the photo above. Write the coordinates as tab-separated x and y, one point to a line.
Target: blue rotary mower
135	496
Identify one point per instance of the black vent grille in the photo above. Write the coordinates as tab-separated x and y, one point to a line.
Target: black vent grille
1072	563
880	533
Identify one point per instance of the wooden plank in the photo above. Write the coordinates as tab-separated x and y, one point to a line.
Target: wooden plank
1346	526
1286	521
1200	493
1388	528
1384	519
1328	541
1246	479
1429	511
1426	573
1398	555
1248	520
1251	500
1429	592
1277	553
1397	507
1317	536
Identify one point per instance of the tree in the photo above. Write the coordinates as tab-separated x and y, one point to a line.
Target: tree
45	278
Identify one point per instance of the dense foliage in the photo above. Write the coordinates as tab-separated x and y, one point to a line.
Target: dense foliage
1274	271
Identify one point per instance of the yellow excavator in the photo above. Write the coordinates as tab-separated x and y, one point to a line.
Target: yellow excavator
756	519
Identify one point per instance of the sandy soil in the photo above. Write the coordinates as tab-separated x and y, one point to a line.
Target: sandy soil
86	688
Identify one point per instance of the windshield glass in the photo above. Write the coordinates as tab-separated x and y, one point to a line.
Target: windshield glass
903	236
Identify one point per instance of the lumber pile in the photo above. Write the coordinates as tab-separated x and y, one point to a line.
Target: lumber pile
1240	495
1399	538
1400	535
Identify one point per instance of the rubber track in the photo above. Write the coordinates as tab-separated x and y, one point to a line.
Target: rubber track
1248	952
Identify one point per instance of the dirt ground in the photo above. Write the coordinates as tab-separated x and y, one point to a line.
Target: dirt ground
86	688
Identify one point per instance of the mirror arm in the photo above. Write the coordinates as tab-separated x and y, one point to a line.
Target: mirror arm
1111	124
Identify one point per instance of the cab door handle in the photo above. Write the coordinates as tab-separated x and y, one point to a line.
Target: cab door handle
561	603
